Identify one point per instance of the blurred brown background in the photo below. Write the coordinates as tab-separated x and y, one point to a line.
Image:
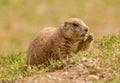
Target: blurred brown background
20	20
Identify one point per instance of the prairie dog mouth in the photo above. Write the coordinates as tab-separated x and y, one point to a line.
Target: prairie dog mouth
84	35
89	36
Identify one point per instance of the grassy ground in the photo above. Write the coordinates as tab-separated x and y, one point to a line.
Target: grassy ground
104	63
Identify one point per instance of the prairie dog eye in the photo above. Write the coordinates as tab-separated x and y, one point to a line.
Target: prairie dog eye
75	25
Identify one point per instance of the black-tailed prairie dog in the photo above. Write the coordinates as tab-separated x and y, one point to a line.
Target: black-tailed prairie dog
56	42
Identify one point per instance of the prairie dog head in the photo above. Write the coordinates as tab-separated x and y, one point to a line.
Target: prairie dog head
74	28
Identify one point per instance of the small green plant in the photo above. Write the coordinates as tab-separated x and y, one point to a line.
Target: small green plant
110	43
11	65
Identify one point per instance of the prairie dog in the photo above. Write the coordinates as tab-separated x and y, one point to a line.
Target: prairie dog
55	42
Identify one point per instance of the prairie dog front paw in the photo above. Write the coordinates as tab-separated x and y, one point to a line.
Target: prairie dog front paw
91	36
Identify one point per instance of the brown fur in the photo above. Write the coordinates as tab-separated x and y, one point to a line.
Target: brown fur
55	42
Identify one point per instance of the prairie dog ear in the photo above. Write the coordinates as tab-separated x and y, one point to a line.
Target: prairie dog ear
65	23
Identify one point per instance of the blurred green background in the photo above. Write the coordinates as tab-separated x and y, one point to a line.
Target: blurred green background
20	20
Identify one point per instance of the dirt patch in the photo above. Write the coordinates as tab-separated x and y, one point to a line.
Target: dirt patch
84	71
